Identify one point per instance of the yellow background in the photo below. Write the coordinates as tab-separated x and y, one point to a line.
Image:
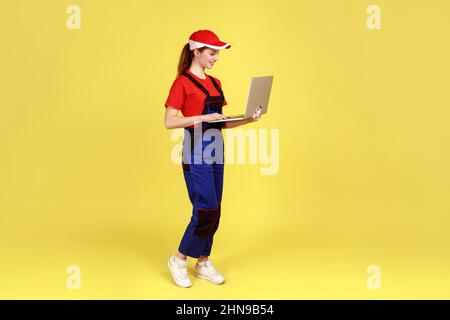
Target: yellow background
86	177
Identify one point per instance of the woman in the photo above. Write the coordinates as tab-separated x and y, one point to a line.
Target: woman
200	99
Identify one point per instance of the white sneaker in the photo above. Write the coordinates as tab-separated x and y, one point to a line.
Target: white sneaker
208	272
179	272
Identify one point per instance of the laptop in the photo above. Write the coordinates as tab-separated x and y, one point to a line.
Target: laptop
258	96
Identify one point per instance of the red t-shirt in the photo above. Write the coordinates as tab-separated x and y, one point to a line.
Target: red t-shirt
186	96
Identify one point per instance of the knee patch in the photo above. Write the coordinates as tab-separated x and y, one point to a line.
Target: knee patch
208	221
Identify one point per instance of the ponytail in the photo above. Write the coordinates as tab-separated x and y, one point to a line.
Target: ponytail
186	57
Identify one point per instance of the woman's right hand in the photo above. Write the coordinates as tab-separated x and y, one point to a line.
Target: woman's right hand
212	116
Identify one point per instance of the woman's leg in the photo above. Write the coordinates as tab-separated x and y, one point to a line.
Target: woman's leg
218	170
205	210
179	255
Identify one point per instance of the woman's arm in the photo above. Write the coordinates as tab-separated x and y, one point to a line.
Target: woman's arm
237	123
232	124
172	120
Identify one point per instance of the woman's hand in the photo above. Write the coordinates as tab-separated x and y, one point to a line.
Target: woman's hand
257	115
212	116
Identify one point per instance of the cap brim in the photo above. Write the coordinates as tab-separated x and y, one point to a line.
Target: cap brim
219	45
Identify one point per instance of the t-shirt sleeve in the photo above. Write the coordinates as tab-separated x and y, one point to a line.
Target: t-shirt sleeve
220	85
177	95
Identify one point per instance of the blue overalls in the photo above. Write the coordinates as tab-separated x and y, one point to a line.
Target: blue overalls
203	176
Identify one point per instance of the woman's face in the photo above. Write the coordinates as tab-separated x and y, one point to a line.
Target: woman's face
207	58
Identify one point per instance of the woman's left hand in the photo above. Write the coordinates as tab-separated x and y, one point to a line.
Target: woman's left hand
257	115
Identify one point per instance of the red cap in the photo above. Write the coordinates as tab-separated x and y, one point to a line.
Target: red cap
206	38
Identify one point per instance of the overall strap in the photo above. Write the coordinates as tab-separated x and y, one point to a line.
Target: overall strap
216	85
196	83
